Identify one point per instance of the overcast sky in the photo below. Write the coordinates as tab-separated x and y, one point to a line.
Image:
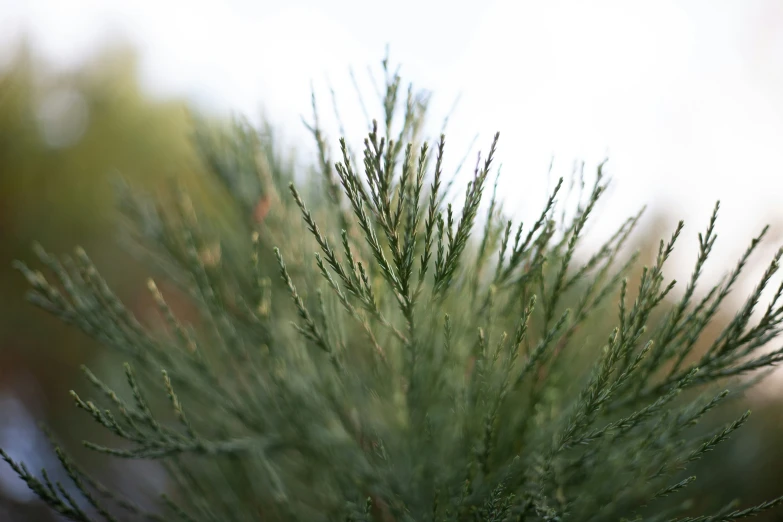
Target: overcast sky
684	97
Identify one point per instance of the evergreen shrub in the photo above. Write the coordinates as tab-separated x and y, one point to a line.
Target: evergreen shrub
432	360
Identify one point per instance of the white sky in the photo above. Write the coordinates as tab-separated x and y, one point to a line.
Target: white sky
683	96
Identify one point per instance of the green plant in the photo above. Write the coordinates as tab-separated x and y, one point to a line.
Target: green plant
407	372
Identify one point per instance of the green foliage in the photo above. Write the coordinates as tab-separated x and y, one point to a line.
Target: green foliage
406	372
58	190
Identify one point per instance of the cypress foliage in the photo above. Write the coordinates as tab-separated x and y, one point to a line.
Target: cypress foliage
419	365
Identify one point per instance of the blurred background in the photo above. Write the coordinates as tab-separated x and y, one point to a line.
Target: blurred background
683	97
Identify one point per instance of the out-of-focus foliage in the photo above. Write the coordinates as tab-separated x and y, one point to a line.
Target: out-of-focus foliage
64	136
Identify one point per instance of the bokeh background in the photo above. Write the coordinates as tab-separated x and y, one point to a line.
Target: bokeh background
683	97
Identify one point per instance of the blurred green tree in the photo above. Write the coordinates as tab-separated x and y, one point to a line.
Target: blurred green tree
64	134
